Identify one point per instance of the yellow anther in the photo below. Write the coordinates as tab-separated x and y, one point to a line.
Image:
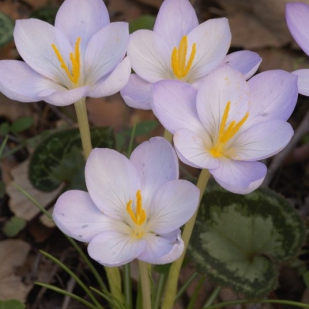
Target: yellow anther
75	62
225	134
179	58
139	217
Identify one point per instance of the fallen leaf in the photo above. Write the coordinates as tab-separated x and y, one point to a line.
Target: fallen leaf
19	204
13	254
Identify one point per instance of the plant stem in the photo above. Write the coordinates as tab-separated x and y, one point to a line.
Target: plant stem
58	290
127	284
160	286
214	294
171	286
145	284
114	281
259	301
83	123
168	136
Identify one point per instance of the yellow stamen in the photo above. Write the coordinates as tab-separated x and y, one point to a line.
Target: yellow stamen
75	61
179	57
139	217
226	134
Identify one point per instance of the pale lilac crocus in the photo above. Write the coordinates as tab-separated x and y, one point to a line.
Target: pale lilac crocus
297	17
134	207
82	55
181	49
229	124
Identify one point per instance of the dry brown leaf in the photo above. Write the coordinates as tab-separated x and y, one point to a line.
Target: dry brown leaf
257	24
19	204
13	254
108	111
274	59
154	3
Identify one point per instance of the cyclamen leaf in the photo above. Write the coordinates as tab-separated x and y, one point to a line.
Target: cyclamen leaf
59	158
11	304
6	29
239	240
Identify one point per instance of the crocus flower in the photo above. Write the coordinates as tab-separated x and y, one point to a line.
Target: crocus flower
82	55
181	49
134	207
229	124
297	17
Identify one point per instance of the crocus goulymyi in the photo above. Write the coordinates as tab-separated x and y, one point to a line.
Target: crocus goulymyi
82	55
297	18
181	49
134	207
229	124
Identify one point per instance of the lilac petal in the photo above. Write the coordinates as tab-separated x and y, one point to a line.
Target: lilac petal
105	50
112	181
61	96
77	216
240	177
173	205
297	18
162	249
175	19
273	95
244	61
261	141
114	248
212	39
34	39
156	163
193	148
303	81
220	87
174	105
21	83
150	56
79	18
113	82
137	93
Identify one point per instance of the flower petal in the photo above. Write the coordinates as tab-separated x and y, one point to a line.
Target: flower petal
273	95
173	205
79	18
150	56
303	81
261	141
174	105
192	148
113	82
244	61
156	163
297	18
220	87
34	39
212	39
137	93
175	19
60	96
20	82
112	181
105	50
240	177
115	248
77	216
162	249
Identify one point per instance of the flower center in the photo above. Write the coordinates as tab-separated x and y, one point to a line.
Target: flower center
74	74
225	134
139	216
179	63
